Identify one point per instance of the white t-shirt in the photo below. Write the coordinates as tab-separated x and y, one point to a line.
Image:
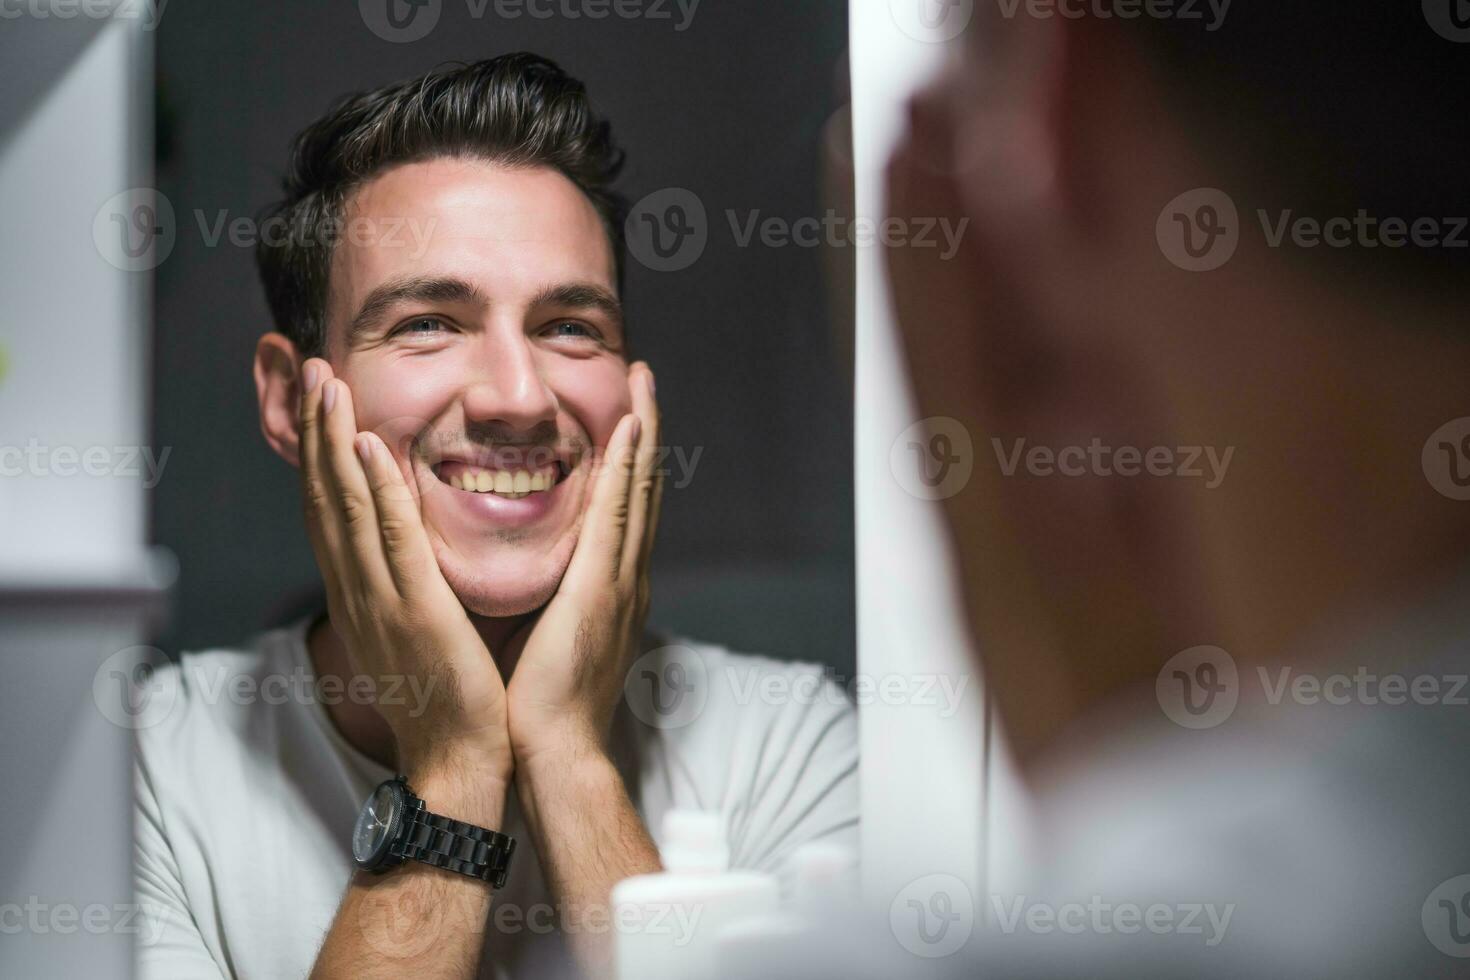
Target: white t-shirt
246	795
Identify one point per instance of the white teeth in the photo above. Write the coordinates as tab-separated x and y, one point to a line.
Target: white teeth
512	485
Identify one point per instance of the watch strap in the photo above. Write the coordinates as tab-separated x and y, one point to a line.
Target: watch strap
455	845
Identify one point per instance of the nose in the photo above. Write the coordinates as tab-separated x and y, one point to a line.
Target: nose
505	386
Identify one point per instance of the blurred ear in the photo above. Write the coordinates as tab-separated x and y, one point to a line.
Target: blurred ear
278	389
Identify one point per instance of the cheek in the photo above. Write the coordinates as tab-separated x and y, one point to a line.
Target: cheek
395	403
595	392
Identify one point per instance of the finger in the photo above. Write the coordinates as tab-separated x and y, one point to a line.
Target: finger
362	541
651	530
595	564
323	527
638	540
405	543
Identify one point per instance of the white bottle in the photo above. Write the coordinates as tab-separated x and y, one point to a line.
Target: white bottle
823	884
667	924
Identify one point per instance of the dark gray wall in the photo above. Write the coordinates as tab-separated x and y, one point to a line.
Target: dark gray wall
757	551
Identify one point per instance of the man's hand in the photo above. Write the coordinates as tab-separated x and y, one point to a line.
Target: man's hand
566	684
389	601
568	677
398	615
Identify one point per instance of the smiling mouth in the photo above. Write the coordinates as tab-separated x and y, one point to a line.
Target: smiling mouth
513	484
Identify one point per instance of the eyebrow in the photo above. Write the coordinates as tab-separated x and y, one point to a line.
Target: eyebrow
451	289
582	296
422	289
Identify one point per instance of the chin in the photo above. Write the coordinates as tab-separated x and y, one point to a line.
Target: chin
517	585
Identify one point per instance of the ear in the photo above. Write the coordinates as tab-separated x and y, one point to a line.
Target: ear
278	389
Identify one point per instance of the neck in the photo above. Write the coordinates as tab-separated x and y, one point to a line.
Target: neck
359	722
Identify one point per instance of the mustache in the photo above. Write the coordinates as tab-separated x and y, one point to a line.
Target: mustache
541	444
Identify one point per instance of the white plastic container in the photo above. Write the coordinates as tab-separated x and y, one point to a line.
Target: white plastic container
668	924
823	883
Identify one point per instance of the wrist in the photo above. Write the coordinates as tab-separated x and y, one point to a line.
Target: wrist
468	788
570	738
566	765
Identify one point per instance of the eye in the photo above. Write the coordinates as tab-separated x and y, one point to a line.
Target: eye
422	326
569	328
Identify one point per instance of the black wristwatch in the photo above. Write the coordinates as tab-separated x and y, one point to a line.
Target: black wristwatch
394	826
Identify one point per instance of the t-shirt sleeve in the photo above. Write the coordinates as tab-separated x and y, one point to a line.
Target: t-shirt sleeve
805	785
169	945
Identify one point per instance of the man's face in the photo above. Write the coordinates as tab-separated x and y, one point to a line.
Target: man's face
484	343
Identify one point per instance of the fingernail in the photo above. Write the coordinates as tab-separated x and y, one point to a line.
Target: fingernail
310	377
329	397
651	387
364	447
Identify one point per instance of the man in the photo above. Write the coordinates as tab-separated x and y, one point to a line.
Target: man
1214	549
479	472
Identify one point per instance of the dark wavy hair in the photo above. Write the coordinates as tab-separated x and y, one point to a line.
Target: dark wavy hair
518	110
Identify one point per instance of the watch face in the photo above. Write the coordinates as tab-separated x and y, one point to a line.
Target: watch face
375	823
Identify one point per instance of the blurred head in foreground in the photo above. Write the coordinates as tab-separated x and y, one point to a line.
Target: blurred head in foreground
1206	330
